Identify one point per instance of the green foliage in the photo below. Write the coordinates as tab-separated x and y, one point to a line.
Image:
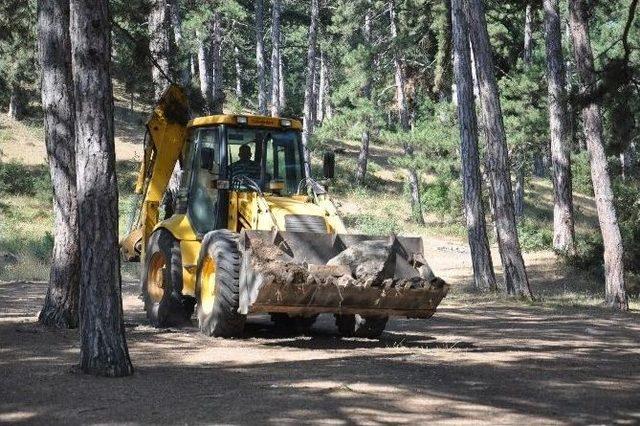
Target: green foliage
443	197
370	224
18	179
534	235
581	173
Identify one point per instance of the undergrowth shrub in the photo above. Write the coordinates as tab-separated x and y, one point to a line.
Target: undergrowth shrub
443	197
534	236
15	179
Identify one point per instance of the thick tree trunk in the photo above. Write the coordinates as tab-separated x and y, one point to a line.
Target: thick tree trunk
61	303
615	295
403	118
205	70
442	79
363	155
160	29
276	9
515	273
563	224
216	61
103	348
484	277
309	95
259	25
236	58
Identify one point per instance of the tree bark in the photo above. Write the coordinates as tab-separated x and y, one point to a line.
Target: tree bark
527	54
60	307
259	25
615	294
205	70
322	89
515	273
484	277
309	95
216	61
160	45
16	102
363	155
442	79
282	96
563	222
238	66
276	9
103	348
403	117
628	161
184	66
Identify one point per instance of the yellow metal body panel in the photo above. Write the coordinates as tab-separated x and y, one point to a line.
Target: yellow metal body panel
189	251
179	226
252	121
181	229
248	210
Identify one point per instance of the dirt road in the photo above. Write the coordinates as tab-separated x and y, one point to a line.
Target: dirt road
472	363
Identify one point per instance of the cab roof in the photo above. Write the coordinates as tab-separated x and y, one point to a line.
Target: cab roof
246	121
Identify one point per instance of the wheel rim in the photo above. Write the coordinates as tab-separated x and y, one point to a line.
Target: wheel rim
208	284
155	279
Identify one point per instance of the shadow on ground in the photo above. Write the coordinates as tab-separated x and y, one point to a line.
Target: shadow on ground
482	364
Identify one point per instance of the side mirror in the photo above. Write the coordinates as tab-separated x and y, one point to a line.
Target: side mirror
207	157
328	164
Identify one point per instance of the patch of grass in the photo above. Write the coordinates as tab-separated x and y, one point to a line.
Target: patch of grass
19	179
372	225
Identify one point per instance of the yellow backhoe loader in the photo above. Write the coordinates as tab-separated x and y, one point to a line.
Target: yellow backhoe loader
252	232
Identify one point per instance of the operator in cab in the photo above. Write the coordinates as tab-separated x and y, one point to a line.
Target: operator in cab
245	165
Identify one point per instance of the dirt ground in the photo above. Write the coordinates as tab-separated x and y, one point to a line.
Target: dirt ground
474	362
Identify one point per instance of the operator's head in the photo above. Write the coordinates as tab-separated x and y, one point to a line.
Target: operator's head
245	152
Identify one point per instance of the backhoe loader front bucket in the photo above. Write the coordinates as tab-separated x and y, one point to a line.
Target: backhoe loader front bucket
303	273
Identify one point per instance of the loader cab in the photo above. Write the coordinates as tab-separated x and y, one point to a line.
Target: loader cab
238	153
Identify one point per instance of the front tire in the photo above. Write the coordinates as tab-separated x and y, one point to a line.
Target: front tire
360	326
162	282
217	285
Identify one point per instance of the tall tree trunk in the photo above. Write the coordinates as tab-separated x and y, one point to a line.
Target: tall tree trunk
309	95
484	277
103	348
216	62
515	273
276	9
61	304
259	25
518	194
363	155
322	89
528	34
282	96
563	224
403	117
160	45
527	56
628	161
615	295
184	66
205	70
442	79
16	102
236	58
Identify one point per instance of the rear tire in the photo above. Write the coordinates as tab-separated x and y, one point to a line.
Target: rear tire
162	282
293	324
360	326
217	285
